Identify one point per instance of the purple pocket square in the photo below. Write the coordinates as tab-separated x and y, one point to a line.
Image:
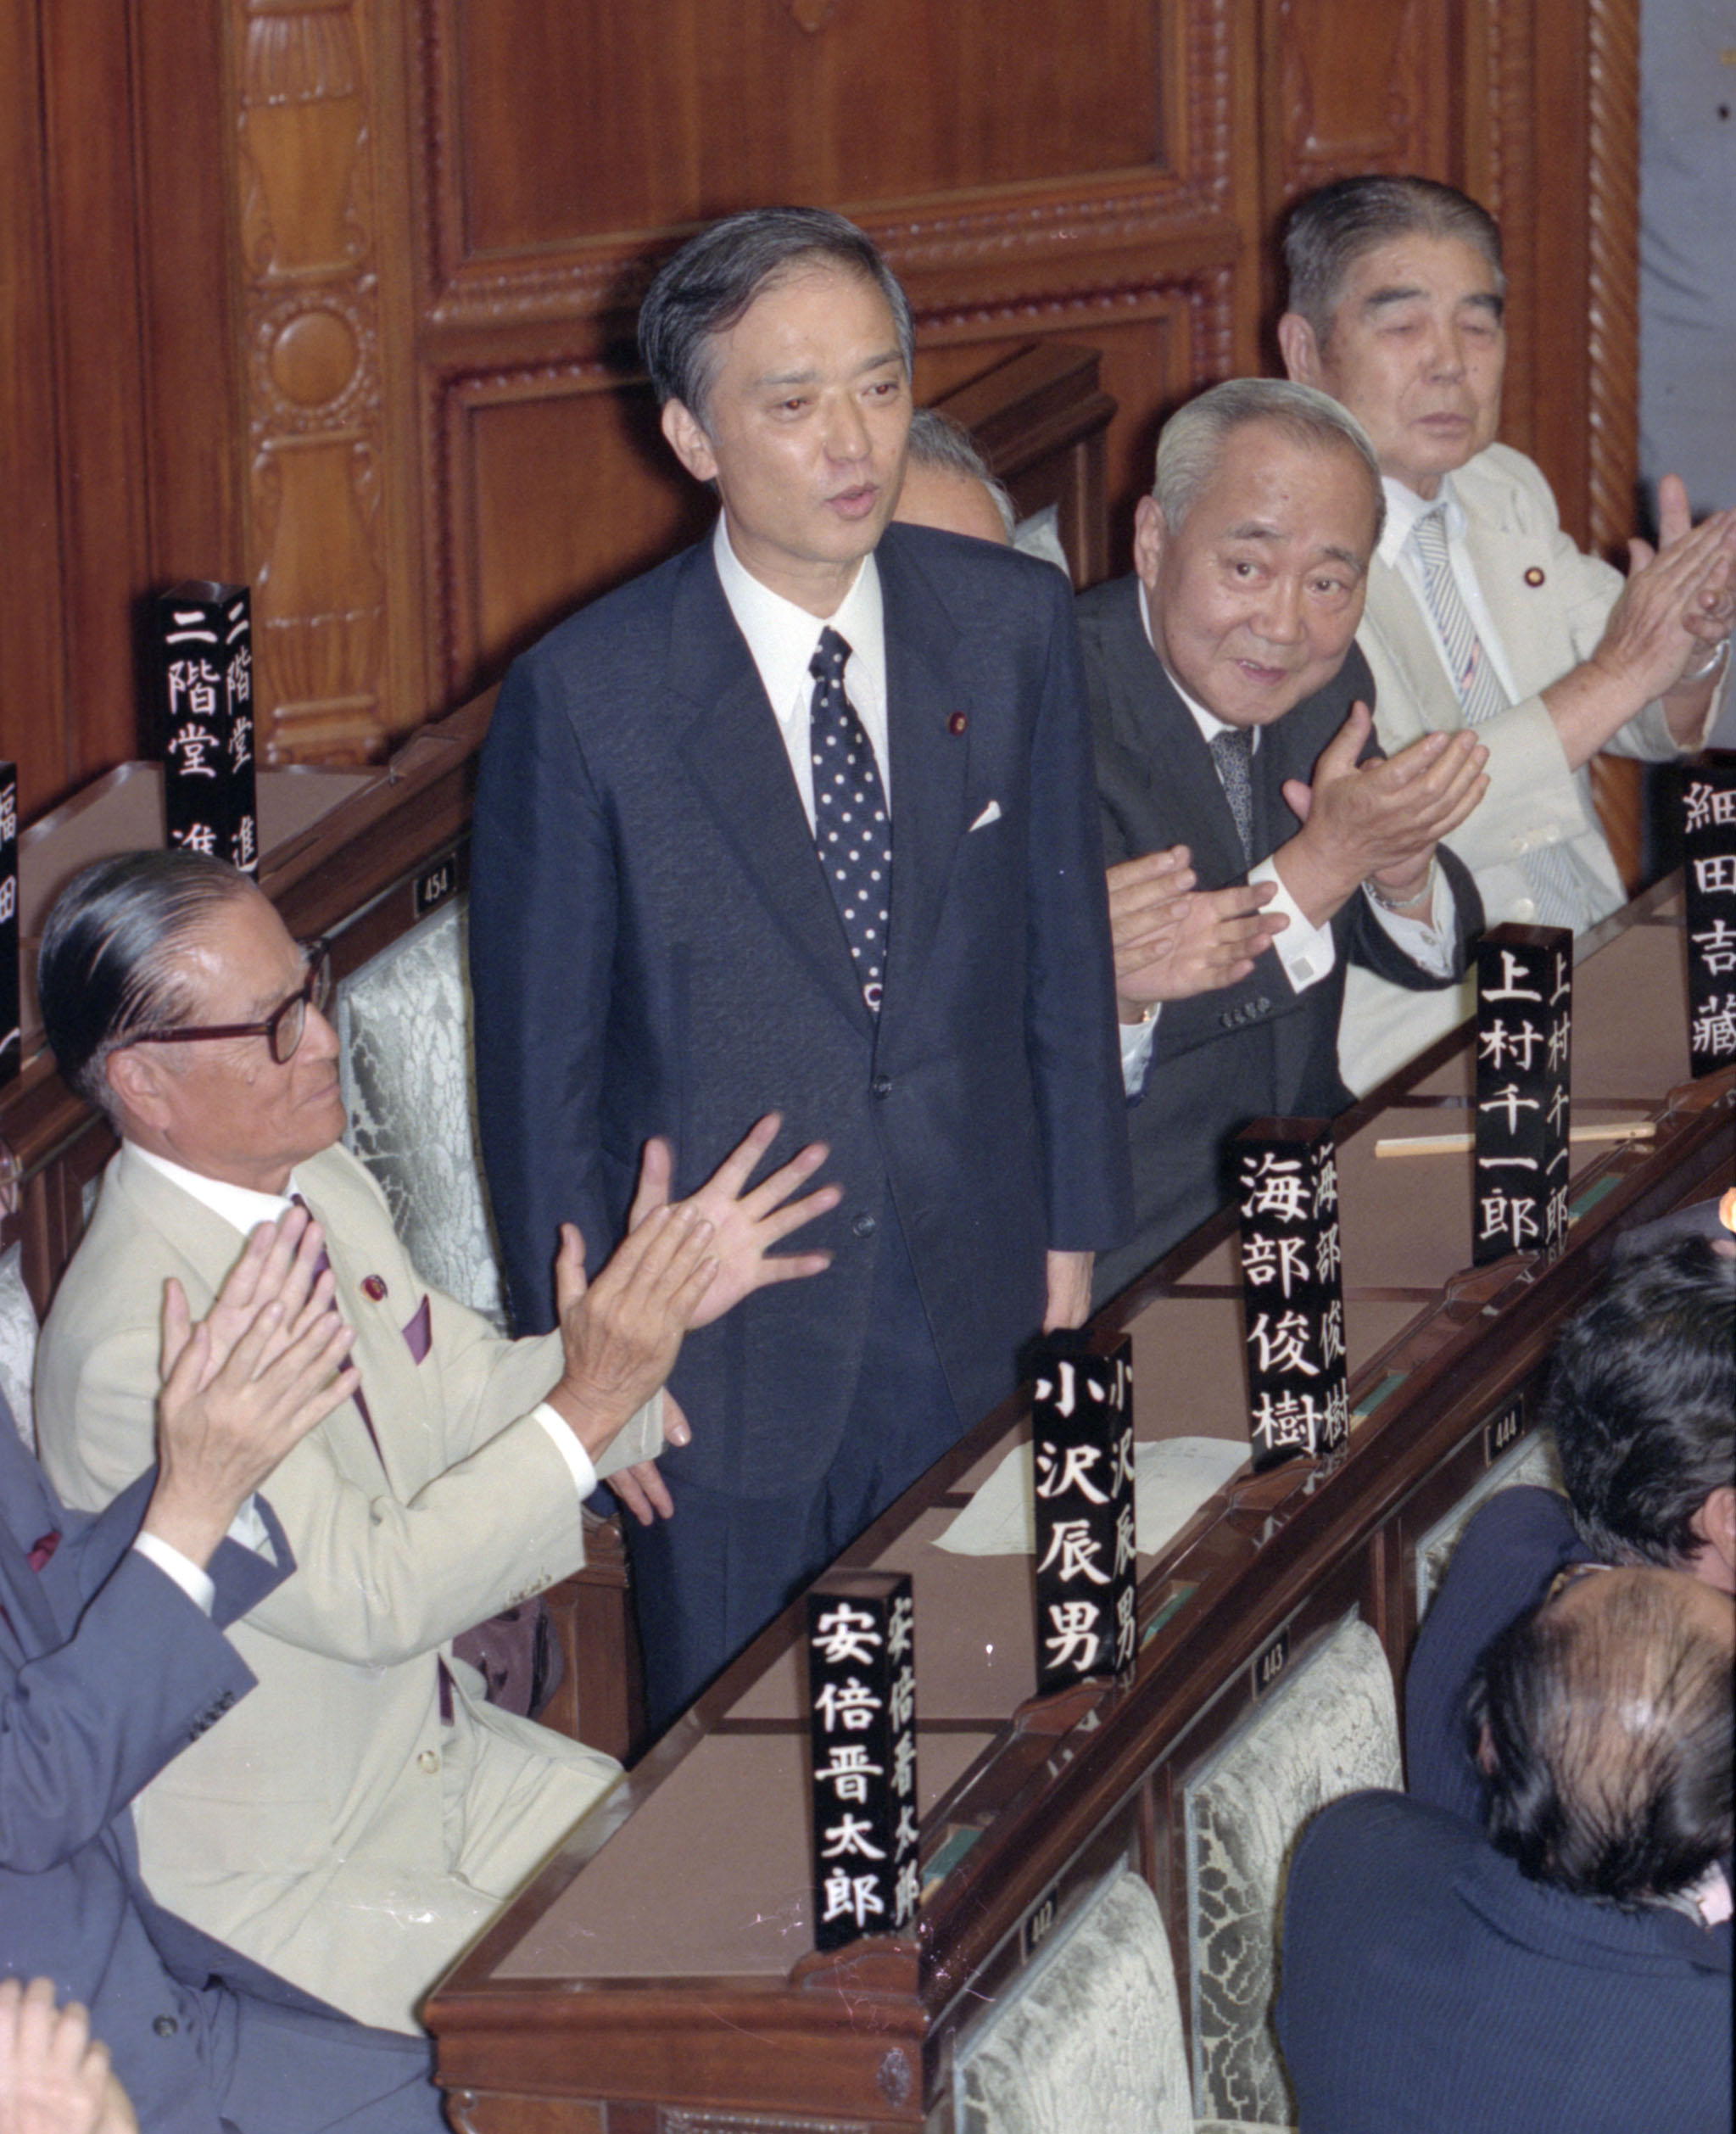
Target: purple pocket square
419	1332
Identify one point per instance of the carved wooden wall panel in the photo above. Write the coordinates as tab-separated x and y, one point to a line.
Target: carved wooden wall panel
583	121
309	241
336	295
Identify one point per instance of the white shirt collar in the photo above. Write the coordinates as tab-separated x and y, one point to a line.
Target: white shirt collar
782	636
239	1206
1404	507
1210	724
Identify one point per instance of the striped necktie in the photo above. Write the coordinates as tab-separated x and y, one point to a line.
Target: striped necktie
1547	872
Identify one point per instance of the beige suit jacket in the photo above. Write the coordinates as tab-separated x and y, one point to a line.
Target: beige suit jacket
466	1507
1548	602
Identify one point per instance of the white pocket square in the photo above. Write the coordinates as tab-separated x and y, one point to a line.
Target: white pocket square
991	813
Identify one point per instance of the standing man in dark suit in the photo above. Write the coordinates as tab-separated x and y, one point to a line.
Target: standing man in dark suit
803	822
1258	840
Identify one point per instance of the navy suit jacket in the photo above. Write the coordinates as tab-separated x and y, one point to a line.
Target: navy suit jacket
1429	1988
1503	1564
1257	1048
655	950
107	1672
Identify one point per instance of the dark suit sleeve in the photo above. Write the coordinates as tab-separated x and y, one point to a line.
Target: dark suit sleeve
1504	1559
1071	1017
84	1727
1373	946
543	908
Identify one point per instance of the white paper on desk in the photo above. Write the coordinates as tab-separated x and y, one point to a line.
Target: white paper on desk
1171	1480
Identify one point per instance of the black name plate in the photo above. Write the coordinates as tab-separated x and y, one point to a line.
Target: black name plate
1082	1457
10	1042
204	636
862	1707
1524	1042
1292	1290
1709	879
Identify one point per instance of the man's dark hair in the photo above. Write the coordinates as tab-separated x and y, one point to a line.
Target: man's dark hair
1606	1718
708	286
1330	231
106	971
1644	1403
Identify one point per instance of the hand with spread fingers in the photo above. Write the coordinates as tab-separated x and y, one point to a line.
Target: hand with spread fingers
1380	821
1666	636
267	1365
746	1222
1172	940
54	2077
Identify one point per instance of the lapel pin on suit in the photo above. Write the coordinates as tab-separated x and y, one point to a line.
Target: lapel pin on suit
956	723
373	1287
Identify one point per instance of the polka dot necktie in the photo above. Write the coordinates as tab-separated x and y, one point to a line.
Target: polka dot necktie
852	830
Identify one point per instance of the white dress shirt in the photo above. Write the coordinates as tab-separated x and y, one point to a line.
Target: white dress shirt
782	638
244	1211
1308	953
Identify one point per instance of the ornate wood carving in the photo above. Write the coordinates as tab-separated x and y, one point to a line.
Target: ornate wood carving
1613	356
1357	88
1613	32
1511	148
308	239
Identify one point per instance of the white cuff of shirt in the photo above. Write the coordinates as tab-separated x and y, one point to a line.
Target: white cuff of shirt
247	1528
195	1583
1136	1041
578	1460
1428	941
1308	953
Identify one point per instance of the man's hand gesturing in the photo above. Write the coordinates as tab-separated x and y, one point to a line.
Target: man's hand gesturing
264	1367
1172	941
622	1333
1379	820
746	1224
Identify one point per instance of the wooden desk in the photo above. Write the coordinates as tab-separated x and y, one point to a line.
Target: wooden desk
659	1973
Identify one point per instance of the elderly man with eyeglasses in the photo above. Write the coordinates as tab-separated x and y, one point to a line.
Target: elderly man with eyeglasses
361	1815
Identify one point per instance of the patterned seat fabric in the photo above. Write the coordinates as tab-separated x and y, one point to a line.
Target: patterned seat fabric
1331	1729
404	1021
1533	1461
1089	2036
17	1342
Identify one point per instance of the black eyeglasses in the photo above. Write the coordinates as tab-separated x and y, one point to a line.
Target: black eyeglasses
281	1028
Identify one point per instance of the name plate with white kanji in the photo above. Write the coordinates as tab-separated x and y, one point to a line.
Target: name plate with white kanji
204	637
861	1713
1292	1291
1709	881
1524	1044
1081	1430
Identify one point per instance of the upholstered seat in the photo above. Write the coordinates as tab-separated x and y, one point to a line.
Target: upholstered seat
403	1020
1331	1729
17	1342
1089	2036
1533	1460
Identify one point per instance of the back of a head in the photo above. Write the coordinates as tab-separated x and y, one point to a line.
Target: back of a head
105	972
1606	1718
1643	1403
710	283
1329	231
947	482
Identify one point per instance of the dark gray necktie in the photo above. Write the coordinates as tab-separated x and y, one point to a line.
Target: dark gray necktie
852	830
1232	752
